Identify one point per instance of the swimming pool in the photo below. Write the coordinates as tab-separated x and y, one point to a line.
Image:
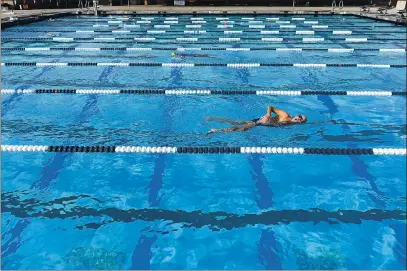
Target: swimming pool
111	81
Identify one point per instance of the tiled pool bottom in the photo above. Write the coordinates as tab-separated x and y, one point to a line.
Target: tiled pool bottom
271	210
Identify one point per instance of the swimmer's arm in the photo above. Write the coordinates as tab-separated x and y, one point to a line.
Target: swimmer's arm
278	112
245	127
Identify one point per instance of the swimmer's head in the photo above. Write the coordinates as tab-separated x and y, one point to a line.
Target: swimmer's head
173	54
299	119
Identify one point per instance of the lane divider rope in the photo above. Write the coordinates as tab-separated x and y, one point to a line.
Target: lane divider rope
206	150
230	65
232	21
224	24
215	19
333	50
214	39
314	31
204	92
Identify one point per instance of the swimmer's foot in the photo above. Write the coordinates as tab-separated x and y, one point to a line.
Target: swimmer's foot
211	131
207	119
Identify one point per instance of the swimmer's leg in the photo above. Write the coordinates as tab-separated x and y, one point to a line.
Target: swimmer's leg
226	120
245	127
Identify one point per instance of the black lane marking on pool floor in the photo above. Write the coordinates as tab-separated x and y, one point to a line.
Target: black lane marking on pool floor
70	207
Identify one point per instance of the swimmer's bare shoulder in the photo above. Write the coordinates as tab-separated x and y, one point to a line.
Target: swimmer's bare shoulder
281	118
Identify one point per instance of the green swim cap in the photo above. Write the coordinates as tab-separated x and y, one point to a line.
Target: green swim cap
173	54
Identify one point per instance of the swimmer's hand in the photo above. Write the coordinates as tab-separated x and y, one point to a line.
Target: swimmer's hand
264	119
211	131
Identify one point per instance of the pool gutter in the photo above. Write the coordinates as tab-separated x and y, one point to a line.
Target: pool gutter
32	18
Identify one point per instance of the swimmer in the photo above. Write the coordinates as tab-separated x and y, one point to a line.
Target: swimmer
51	35
281	118
192	55
51	20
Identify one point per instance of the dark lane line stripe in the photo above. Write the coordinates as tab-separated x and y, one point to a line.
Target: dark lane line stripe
267	245
49	172
359	167
142	254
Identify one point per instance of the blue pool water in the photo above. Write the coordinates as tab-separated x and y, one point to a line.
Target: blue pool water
191	211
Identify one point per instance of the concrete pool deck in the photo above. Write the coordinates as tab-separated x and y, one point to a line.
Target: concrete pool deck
153	9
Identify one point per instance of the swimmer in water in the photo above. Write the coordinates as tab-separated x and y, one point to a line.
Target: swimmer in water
281	118
192	55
